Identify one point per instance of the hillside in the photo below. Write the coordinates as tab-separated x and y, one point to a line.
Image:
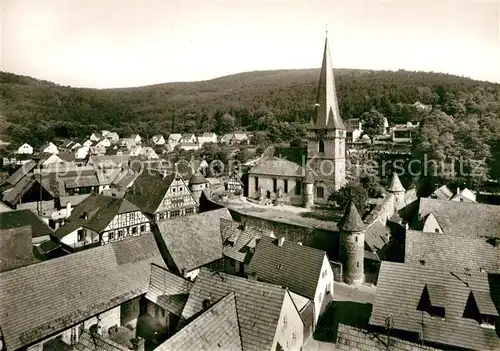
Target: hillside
276	101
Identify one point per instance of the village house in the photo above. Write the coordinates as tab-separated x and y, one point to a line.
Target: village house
127	143
100	220
50	148
207	138
82	153
276	261
136	138
104	142
162	196
82	299
442	308
461	195
239	241
173	140
307	177
403	133
158	139
262	316
354	130
25	149
88	142
176	238
112	136
95	136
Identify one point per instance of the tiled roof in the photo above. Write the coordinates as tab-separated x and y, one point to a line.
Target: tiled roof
94	342
399	291
81	182
377	236
168	290
280	161
237	239
294	266
13	195
351	220
16	248
216	329
463	218
351	338
442	193
451	251
197	178
149	189
196	241
20	218
258	305
21	172
62	292
100	210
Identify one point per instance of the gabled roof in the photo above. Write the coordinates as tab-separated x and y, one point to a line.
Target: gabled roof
197	178
280	161
149	189
216	329
195	242
21	172
236	240
327	113
350	338
296	267
258	305
61	292
463	218
442	193
451	251
399	290
396	185
21	218
168	290
100	210
351	221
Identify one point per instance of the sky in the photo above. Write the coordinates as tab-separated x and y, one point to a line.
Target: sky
109	43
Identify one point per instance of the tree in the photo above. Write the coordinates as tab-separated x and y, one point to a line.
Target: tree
225	124
373	123
352	190
372	185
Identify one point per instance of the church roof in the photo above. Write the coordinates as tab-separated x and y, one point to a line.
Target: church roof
396	185
327	114
351	221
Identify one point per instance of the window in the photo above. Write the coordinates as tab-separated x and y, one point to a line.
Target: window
161	216
431	300
357	264
120	234
80	234
180	189
284	320
285	185
298	187
134	230
356	237
173	190
321	146
143	228
256	183
175	213
436	230
275	185
319	192
111	236
189	210
294	336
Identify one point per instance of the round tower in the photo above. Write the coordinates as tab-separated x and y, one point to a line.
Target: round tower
309	190
352	245
398	190
197	184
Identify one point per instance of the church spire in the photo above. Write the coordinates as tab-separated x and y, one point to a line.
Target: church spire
326	114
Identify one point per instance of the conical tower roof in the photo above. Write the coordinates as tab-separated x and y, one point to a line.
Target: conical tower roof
351	221
396	185
326	114
197	178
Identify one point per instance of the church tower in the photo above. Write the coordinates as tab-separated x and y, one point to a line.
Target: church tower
326	135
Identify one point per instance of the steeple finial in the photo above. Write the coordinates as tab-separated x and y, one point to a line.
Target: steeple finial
326	30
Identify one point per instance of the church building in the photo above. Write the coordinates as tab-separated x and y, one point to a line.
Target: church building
306	177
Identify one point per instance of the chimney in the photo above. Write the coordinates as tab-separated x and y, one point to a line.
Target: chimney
458	190
281	241
245	226
68	209
138	344
85	215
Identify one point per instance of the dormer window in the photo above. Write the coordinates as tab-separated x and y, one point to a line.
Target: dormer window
480	307
433	300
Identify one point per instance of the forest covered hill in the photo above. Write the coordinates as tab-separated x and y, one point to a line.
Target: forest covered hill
276	102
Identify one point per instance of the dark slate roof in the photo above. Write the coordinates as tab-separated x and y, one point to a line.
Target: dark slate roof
237	240
351	338
463	218
258	305
351	221
451	251
149	189
21	172
280	161
20	218
100	211
216	329
296	267
198	178
13	195
377	236
168	290
196	241
396	185
399	290
16	248
36	291
94	342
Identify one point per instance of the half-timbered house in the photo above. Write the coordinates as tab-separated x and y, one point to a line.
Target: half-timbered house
162	195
